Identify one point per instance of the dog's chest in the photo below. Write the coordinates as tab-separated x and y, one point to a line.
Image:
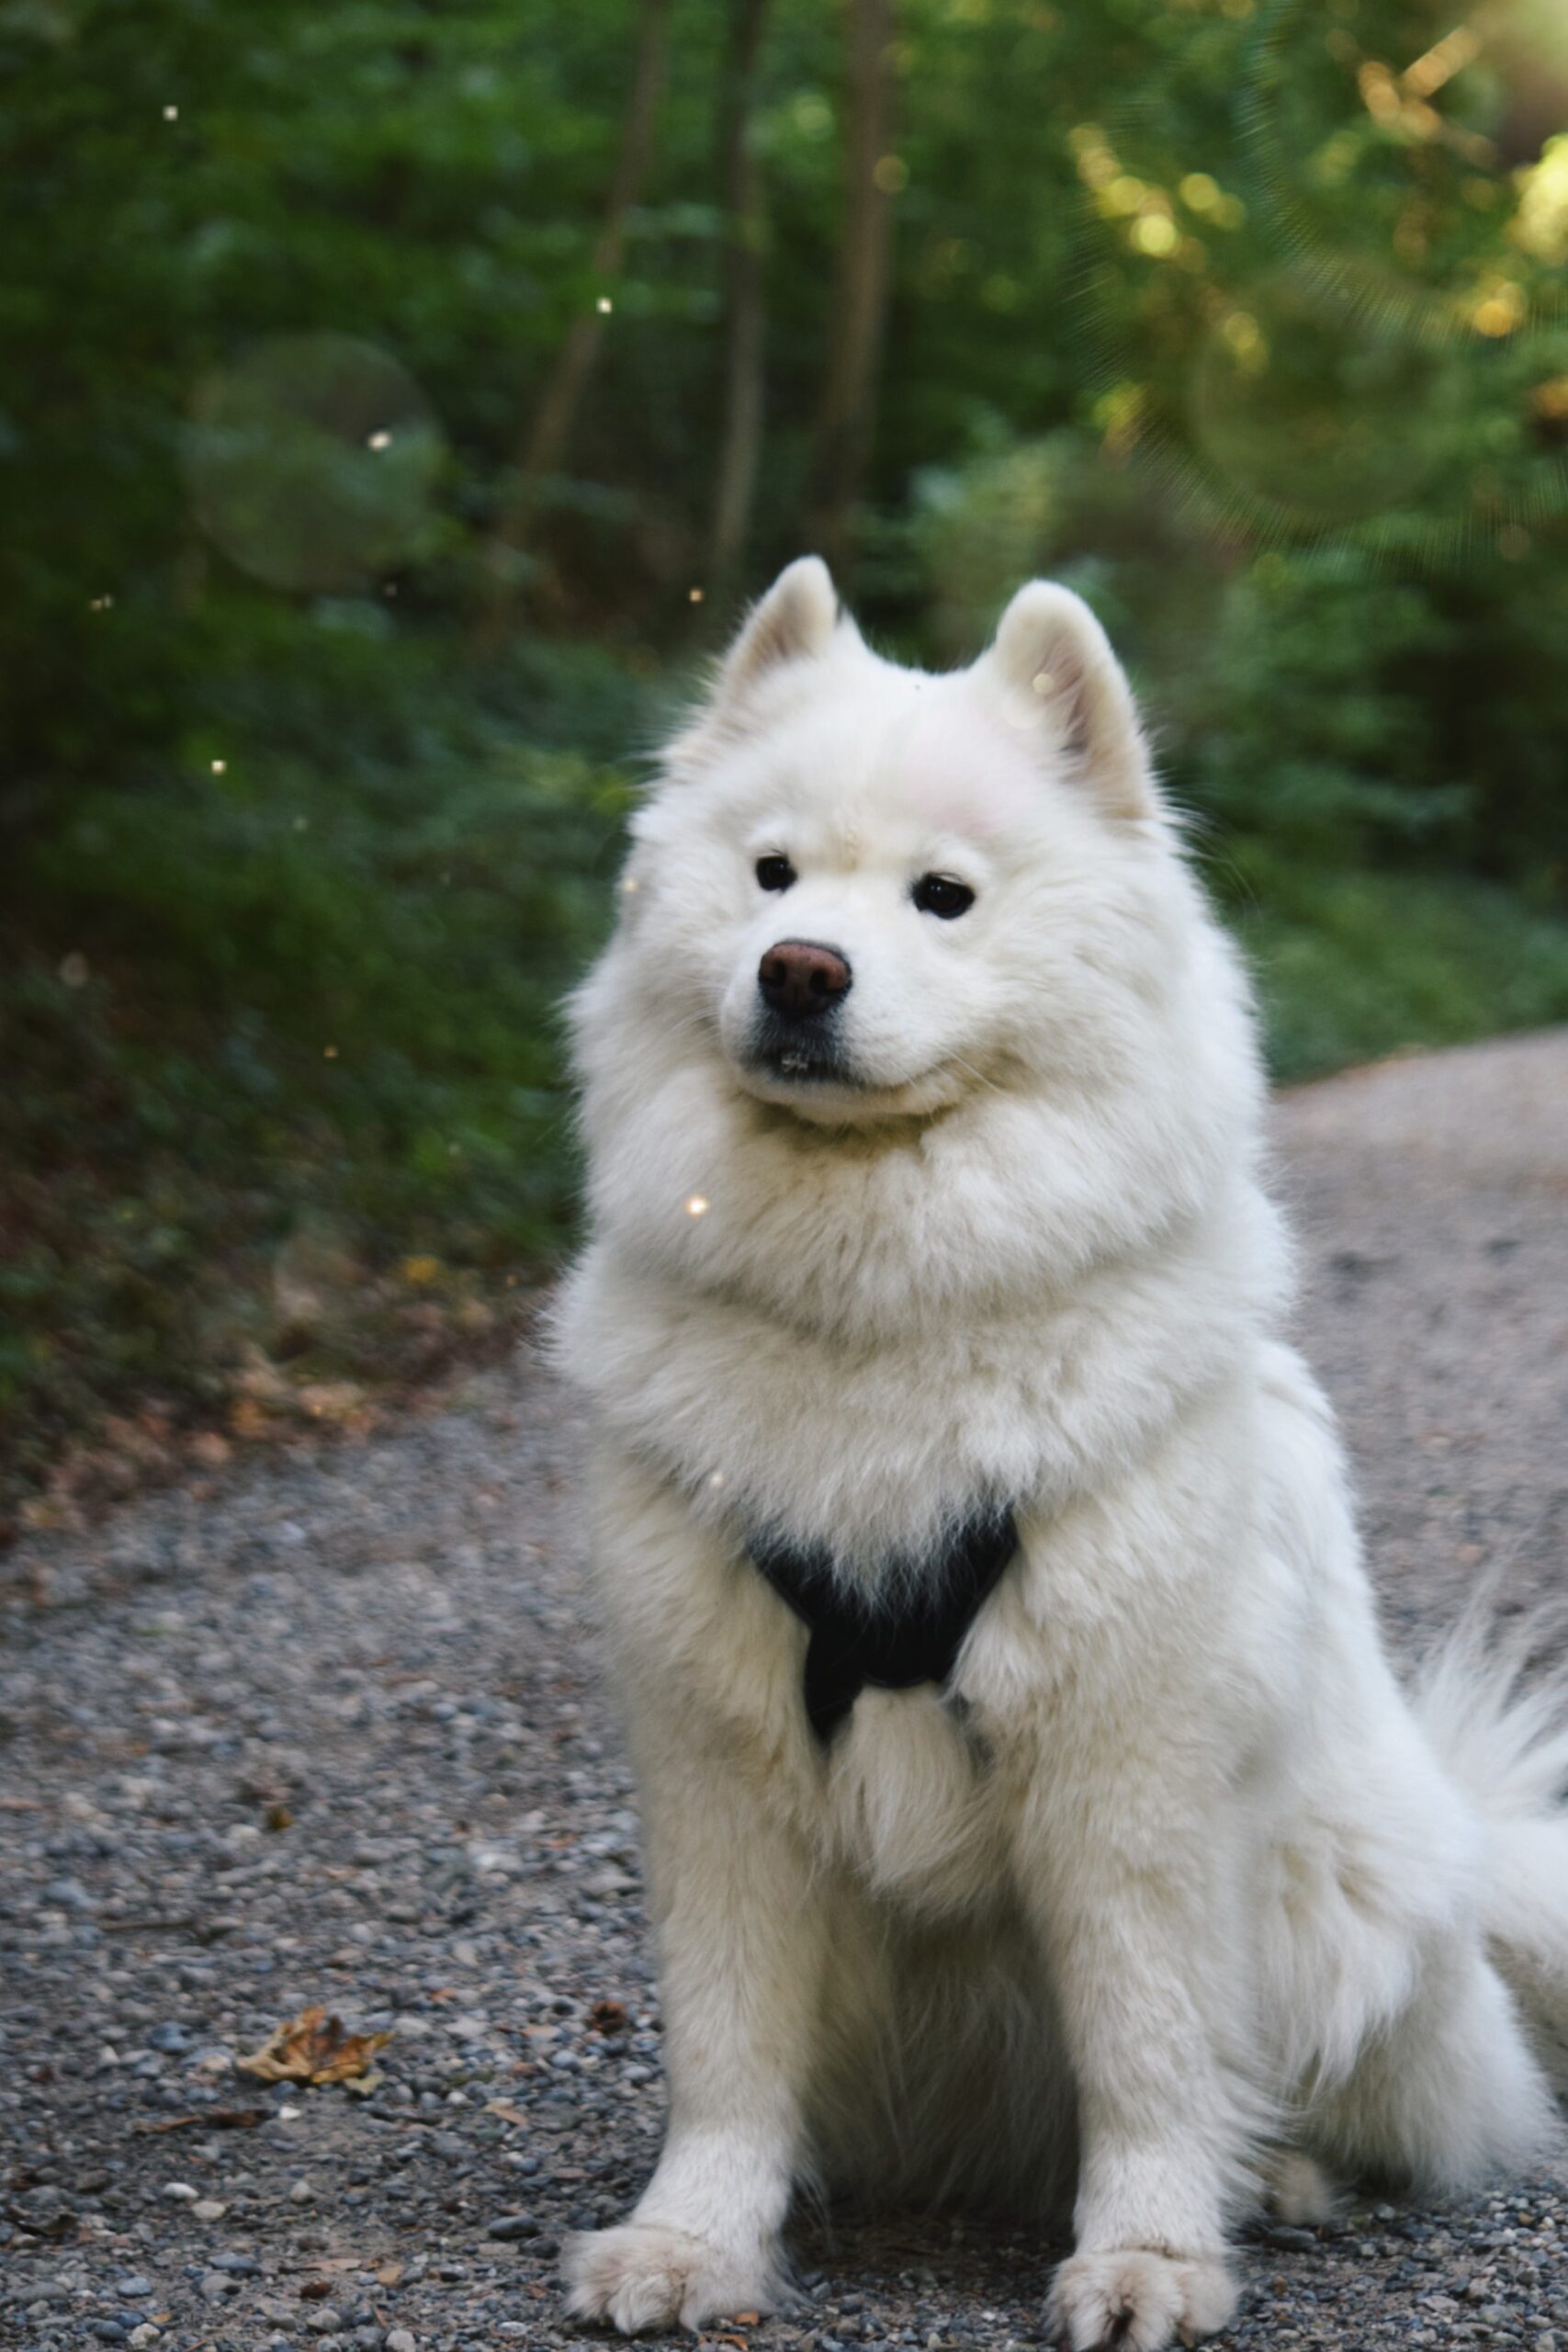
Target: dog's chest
865	1448
912	1806
868	1446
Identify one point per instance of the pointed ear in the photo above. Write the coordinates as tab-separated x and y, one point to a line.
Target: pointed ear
1054	666
792	621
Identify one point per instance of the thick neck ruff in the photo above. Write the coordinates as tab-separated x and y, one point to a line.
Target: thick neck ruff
910	1632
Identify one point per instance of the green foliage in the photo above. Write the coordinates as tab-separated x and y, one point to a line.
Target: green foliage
311	994
1247	317
1352	966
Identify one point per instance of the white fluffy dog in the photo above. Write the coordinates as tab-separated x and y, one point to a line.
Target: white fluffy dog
922	1103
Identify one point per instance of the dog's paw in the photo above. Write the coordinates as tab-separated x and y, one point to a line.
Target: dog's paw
1138	2300
645	2277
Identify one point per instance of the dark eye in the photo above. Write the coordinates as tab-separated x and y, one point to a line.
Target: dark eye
939	894
775	873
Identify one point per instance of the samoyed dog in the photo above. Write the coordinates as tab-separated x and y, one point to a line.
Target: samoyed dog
1033	1815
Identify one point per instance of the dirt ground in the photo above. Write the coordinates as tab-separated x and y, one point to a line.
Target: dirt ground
335	1734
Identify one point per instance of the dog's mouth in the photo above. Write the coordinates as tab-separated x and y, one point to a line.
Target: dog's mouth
807	1068
793	1057
813	1079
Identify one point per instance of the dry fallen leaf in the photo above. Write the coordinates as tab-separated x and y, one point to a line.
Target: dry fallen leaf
609	2017
507	2113
312	2047
331	1400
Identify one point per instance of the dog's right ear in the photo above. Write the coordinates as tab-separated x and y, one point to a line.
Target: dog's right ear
794	622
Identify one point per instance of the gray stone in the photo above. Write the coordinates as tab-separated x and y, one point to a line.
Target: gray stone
511	2226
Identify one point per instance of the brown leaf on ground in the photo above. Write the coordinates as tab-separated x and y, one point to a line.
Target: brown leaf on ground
312	2047
54	2226
331	1400
507	2111
609	2017
259	1378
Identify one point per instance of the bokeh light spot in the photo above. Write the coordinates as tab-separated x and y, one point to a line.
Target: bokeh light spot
1155	235
313	462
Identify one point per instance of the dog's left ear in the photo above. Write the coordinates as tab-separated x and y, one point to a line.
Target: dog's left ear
1057	672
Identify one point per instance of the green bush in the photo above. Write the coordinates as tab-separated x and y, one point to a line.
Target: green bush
296	993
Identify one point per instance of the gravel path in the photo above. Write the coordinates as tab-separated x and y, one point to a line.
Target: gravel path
335	1735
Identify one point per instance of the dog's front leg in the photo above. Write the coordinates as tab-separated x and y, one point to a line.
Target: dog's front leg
740	1947
1123	1855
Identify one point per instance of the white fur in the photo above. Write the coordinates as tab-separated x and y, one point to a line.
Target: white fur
1184	1890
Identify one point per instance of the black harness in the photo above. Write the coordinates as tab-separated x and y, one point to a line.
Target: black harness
911	1632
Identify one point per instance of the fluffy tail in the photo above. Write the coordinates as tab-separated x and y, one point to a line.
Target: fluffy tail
1498	1717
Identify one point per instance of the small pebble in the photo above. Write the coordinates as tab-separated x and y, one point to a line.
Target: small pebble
513	2225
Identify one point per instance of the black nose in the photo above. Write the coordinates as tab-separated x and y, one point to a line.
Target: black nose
799	980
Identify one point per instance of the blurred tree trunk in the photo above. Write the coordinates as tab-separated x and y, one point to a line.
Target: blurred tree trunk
745	321
847	413
543	444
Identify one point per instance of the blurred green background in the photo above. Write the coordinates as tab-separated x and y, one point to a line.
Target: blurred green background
398	397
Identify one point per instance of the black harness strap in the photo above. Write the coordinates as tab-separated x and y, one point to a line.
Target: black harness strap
911	1632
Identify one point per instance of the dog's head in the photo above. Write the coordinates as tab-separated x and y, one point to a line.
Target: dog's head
873	890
